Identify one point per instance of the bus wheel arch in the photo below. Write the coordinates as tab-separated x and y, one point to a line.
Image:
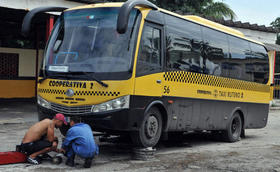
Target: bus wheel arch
163	113
243	122
241	113
151	127
235	127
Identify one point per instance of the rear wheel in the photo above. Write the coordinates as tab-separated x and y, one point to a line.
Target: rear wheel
234	128
150	129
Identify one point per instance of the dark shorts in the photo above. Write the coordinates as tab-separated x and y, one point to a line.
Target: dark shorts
30	148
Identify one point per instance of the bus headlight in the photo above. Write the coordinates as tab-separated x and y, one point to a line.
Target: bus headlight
43	102
118	103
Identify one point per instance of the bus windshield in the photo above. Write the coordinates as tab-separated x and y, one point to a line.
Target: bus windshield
87	41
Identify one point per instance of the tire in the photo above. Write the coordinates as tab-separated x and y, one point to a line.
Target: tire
234	129
150	130
243	133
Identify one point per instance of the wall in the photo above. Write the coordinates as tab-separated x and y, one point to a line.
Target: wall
24	85
265	37
27	60
30	4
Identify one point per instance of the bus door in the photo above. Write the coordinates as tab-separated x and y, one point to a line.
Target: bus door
149	78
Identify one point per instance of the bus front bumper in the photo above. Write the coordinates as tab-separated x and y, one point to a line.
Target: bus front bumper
112	121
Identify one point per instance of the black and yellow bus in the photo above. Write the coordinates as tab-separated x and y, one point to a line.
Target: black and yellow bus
133	68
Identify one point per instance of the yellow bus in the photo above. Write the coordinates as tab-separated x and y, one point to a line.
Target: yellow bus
133	68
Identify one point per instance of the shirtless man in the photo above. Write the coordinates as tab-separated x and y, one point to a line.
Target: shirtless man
40	138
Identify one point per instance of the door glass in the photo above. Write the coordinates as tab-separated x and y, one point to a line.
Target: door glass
149	58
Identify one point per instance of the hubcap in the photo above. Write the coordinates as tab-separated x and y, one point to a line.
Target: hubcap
151	126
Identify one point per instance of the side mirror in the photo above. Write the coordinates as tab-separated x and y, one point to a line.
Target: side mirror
26	25
125	10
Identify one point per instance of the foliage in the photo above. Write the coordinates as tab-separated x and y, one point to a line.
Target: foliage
208	8
276	25
278	39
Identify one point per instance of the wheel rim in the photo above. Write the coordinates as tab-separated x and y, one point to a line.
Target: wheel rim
151	126
236	127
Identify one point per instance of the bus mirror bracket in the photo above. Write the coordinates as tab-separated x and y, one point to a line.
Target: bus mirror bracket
26	25
125	10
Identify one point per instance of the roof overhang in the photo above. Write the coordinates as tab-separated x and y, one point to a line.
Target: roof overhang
31	4
272	47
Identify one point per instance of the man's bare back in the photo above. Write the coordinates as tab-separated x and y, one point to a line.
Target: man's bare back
38	130
40	139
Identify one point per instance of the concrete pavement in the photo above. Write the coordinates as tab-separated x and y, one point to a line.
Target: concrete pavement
259	151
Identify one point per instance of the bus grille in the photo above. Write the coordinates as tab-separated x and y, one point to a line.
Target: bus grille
75	110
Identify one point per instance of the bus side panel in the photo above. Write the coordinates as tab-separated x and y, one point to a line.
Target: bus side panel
198	114
257	115
186	114
180	113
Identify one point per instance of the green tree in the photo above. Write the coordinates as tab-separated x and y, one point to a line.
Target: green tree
207	8
217	10
276	25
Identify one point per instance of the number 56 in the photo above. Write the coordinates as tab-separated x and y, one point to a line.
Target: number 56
166	89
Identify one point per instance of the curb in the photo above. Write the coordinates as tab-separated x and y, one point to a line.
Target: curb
12	121
274	108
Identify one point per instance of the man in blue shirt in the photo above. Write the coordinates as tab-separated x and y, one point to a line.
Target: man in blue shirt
79	141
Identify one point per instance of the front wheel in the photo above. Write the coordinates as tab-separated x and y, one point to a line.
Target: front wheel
150	129
234	129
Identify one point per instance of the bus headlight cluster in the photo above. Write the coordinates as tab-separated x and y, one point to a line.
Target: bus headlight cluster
43	102
118	103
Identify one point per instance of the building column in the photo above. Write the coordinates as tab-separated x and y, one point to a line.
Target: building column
50	23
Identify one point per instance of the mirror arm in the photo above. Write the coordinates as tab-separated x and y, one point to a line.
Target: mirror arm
125	10
26	25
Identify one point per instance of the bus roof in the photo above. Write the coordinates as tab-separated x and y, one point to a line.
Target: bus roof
211	24
108	4
215	25
192	18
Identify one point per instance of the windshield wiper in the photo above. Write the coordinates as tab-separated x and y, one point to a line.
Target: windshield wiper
54	76
69	75
44	77
88	74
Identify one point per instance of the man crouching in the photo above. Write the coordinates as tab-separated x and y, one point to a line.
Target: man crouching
79	141
40	139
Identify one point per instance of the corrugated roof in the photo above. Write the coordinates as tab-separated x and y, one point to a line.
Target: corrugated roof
245	25
272	47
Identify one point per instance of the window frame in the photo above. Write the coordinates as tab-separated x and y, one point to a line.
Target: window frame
168	24
205	36
162	55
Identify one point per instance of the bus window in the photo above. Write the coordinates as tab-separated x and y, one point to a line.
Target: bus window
149	58
183	53
239	58
215	52
183	45
259	63
87	41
